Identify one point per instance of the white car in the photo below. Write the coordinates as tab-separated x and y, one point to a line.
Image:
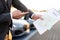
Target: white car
20	27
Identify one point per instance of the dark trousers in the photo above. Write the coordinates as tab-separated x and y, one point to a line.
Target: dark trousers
3	31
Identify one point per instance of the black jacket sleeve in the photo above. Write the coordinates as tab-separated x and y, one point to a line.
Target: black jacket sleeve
17	4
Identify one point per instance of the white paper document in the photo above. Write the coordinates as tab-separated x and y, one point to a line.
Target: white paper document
49	20
39	26
57	14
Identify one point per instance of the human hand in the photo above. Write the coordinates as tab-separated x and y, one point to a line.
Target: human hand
18	14
36	16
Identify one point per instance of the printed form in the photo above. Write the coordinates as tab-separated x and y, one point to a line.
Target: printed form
50	18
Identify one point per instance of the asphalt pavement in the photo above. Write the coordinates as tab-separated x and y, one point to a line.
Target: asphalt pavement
53	34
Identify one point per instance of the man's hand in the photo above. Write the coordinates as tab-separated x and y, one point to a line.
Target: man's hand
36	16
18	14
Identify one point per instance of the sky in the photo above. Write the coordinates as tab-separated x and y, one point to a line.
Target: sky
41	4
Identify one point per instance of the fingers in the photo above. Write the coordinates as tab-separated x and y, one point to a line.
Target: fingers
18	14
40	17
25	13
37	16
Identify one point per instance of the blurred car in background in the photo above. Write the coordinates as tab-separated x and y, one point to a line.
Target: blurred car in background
20	27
